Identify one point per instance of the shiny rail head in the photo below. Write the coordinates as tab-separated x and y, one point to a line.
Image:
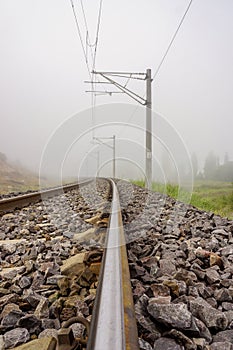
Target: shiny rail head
113	324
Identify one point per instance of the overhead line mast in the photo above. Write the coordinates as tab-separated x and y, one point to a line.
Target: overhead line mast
145	102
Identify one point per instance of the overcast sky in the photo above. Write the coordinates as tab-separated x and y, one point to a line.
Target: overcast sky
42	68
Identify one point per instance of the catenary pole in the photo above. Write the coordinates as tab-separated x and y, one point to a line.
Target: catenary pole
114	156
145	102
148	131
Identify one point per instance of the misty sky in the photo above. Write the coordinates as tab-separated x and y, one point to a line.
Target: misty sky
42	69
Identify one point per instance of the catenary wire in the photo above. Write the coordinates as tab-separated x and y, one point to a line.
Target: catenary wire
172	40
93	56
80	37
166	53
97	33
93	97
87	30
93	69
93	77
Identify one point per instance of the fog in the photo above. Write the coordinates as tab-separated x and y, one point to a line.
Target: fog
46	115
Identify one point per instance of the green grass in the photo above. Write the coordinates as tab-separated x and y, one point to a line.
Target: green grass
214	196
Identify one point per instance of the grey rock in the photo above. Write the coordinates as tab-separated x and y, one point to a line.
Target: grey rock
29	265
149	327
182	339
2	343
144	320
63	284
2	236
30	254
205	292
8	308
227	250
223	294
187	276
55	309
221	346
220	232
53	279
199	329
53	269
227	306
160	290
78	330
24	282
42	309
15	289
10	298
138	290
175	315
16	337
212	276
193	291
13	272
211	317
213	302
68	234
12	259
143	345
167	344
182	287
224	336
167	267
141	305
136	270
10	320
50	323
31	323
38	280
200	343
4	291
31	297
229	316
9	248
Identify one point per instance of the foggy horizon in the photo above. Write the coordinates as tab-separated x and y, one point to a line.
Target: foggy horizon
43	71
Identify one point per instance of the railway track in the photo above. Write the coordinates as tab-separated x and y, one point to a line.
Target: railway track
11	203
113	320
113	323
176	279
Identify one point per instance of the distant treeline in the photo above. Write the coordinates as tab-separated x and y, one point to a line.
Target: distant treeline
213	170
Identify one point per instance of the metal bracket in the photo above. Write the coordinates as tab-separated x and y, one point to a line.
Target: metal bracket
123	89
66	339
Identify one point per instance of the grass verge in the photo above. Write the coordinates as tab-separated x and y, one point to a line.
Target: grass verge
214	196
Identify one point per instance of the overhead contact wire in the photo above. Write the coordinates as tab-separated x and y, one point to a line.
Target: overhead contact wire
167	50
80	36
172	40
97	33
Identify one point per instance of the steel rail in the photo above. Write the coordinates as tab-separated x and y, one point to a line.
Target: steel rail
113	324
8	204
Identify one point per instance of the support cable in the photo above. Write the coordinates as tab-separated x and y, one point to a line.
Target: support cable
88	41
97	33
80	36
93	68
172	40
93	56
166	52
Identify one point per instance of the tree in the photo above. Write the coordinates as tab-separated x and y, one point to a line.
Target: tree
225	172
210	166
194	164
3	157
226	158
